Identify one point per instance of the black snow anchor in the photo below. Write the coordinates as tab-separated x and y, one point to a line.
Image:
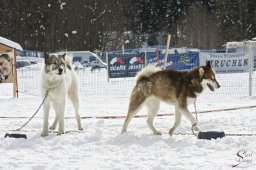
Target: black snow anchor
208	134
18	135
15	135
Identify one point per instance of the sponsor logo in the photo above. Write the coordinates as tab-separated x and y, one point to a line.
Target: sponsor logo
136	63
116	68
120	64
136	67
229	63
184	59
117	60
136	59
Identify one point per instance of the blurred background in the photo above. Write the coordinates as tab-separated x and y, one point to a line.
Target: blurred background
100	25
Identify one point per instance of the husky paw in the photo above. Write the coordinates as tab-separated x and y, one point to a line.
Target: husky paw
157	133
80	128
60	132
43	134
123	131
52	127
195	128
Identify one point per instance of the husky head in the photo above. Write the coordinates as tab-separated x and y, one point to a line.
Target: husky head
208	77
55	65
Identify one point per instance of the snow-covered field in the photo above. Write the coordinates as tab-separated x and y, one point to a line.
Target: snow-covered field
101	146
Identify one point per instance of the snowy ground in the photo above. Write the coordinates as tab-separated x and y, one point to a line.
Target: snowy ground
101	146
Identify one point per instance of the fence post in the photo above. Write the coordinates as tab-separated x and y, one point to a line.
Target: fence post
15	76
251	58
107	67
123	49
145	62
167	50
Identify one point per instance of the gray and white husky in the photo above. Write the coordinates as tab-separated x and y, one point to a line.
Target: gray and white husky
58	79
173	87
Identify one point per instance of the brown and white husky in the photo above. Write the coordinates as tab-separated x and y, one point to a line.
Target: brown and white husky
173	87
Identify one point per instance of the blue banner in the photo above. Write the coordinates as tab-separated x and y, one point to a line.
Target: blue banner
179	61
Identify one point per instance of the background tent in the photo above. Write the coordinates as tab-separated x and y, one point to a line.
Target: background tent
8	45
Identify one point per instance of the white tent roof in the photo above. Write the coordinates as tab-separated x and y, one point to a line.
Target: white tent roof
235	44
7	45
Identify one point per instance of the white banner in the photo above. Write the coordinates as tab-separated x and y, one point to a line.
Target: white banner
225	62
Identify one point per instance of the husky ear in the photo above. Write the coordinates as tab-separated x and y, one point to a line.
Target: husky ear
208	64
201	72
46	57
63	56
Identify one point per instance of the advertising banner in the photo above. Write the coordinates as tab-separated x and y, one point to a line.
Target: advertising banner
226	62
124	65
179	61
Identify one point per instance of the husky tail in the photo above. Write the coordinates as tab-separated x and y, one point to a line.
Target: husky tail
146	72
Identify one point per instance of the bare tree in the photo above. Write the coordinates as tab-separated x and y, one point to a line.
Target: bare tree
199	29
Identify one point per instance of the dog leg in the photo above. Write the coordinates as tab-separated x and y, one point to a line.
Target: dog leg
57	117
75	101
46	108
189	116
153	106
135	105
178	116
131	112
56	120
61	109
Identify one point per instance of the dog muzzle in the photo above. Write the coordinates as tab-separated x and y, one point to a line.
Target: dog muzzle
60	71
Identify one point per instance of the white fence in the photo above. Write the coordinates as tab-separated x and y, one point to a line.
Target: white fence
91	83
242	83
96	84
